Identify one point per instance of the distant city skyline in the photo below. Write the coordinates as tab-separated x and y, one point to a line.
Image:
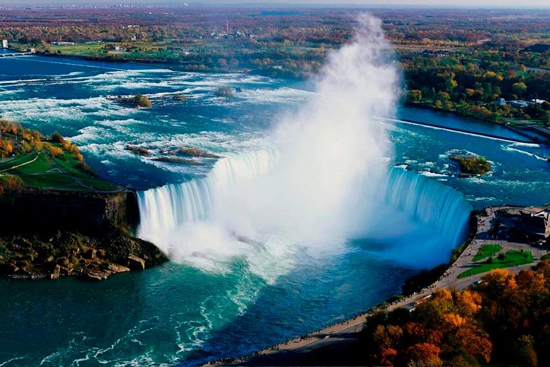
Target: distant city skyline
375	3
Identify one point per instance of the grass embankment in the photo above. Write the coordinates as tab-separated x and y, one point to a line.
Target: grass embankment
507	260
46	163
46	172
486	251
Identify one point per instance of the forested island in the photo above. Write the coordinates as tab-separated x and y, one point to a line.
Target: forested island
472	165
58	218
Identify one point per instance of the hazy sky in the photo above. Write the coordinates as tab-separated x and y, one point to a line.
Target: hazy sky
437	3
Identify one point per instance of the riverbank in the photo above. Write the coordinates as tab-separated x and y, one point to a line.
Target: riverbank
520	129
58	218
51	234
175	66
54	254
336	344
535	133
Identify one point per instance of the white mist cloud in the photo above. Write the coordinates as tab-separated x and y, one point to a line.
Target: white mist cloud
315	189
332	151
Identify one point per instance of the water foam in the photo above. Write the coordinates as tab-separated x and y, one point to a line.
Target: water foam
318	186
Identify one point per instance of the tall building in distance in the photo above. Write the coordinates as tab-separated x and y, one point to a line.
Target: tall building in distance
4	43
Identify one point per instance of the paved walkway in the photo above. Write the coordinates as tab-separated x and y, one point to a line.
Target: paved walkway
22	164
349	329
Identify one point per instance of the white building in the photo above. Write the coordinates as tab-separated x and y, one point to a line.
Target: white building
4	43
518	103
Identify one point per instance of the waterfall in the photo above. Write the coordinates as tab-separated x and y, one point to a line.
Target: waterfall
429	202
168	207
420	198
319	186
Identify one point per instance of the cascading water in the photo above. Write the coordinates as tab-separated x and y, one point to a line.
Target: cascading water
429	202
318	186
166	208
421	199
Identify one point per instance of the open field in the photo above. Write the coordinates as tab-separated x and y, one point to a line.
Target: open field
40	169
509	259
486	251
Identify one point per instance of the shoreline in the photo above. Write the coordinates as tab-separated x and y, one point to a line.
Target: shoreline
506	125
175	66
90	244
348	330
463	131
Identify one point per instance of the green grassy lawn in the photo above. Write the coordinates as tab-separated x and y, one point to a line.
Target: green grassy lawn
53	173
20	159
511	258
41	164
486	251
99	50
77	50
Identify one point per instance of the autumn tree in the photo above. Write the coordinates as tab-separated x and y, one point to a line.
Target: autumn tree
519	88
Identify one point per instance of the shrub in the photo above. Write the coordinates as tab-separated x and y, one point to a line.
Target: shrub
10	183
6	148
54	152
57	138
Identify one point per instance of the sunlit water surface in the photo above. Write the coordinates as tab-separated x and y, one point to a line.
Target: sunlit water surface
182	313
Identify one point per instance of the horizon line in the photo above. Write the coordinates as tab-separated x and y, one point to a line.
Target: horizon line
240	4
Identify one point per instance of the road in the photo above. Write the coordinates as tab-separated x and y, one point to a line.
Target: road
22	164
349	329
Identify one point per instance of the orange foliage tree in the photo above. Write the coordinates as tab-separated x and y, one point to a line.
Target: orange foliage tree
504	320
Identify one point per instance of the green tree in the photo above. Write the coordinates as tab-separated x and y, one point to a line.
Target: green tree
519	89
450	84
414	96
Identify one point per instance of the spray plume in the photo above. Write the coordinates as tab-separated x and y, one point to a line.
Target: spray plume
317	186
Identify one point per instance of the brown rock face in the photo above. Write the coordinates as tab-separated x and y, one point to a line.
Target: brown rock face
87	235
55	274
66	254
95	275
90	254
115	268
71	211
136	263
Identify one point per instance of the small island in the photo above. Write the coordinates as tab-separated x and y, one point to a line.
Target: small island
179	97
195	152
138	101
183	155
224	91
472	165
58	218
138	150
177	160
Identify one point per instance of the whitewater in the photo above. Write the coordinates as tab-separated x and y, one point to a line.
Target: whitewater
255	268
323	179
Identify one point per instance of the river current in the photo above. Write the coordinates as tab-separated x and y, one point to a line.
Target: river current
190	312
